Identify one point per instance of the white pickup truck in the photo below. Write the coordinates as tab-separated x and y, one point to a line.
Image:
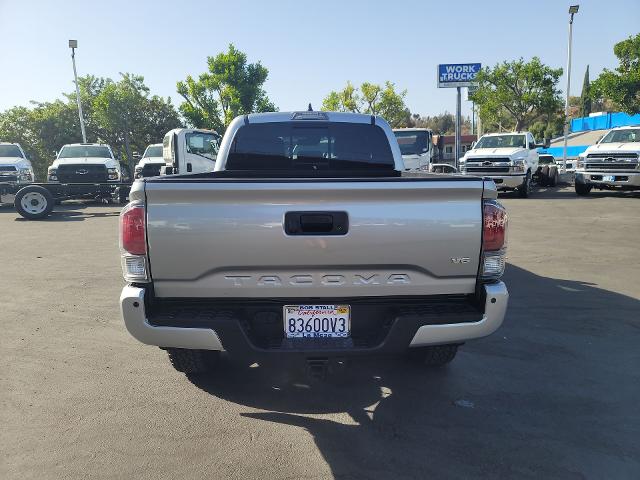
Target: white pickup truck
15	168
509	159
150	163
308	241
416	147
84	163
613	163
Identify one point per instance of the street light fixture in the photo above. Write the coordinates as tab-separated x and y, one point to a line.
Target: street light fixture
573	9
73	44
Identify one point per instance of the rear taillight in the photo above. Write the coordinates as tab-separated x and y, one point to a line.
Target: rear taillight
132	229
133	243
494	240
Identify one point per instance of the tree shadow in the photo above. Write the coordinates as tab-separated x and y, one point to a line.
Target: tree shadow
552	394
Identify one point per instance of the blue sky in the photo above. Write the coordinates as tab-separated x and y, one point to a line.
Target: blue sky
309	47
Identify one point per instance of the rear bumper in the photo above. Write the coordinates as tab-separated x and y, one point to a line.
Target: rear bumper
620	179
200	326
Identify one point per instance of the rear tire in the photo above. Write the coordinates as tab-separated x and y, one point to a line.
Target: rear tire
435	356
583	189
34	202
545	179
524	190
193	361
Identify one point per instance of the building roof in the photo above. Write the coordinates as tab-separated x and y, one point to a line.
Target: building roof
451	139
588	137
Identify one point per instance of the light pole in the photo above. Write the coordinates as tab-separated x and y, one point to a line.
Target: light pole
73	44
573	9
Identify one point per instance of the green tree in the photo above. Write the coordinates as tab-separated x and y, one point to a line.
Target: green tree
444	123
371	99
585	97
517	93
230	88
125	115
118	113
41	130
622	87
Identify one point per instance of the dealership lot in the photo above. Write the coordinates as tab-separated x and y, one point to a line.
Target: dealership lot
554	393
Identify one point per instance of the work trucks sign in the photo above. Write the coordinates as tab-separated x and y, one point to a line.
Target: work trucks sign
457	74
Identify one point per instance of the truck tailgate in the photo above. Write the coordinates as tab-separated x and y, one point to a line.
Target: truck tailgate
227	238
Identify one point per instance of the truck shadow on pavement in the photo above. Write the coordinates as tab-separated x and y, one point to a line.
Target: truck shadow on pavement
552	394
568	193
77	212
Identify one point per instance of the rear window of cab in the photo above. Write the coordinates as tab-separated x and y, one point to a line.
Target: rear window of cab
293	146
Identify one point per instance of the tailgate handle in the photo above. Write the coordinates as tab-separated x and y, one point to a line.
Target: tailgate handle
316	223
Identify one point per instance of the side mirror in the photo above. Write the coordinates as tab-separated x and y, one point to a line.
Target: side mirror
136	156
473	145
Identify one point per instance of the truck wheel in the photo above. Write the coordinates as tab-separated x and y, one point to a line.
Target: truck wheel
545	179
582	189
524	190
553	179
435	356
193	361
34	202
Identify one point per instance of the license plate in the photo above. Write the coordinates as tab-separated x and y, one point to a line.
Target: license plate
608	178
317	321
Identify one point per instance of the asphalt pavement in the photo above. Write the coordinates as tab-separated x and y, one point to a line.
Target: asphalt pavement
555	393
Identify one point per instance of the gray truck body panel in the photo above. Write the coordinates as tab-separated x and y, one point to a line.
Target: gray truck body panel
225	239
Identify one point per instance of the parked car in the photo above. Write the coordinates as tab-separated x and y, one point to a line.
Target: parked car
416	147
307	241
612	164
547	172
150	163
510	159
15	167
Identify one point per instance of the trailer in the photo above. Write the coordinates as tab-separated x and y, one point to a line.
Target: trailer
35	201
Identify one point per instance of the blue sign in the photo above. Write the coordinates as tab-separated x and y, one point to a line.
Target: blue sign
457	74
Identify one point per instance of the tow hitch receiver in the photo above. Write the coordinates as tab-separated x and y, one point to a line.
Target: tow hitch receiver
321	367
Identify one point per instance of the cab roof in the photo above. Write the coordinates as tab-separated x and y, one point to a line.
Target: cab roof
310	115
626	127
503	133
86	145
412	129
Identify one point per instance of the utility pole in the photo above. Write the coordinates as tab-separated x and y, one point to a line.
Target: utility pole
73	44
458	128
573	9
473	118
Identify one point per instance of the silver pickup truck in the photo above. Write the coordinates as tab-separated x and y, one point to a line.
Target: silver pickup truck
309	241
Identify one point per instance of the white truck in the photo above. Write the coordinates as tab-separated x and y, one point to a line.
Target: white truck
307	242
84	163
15	167
509	159
150	163
612	164
189	150
80	171
416	147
